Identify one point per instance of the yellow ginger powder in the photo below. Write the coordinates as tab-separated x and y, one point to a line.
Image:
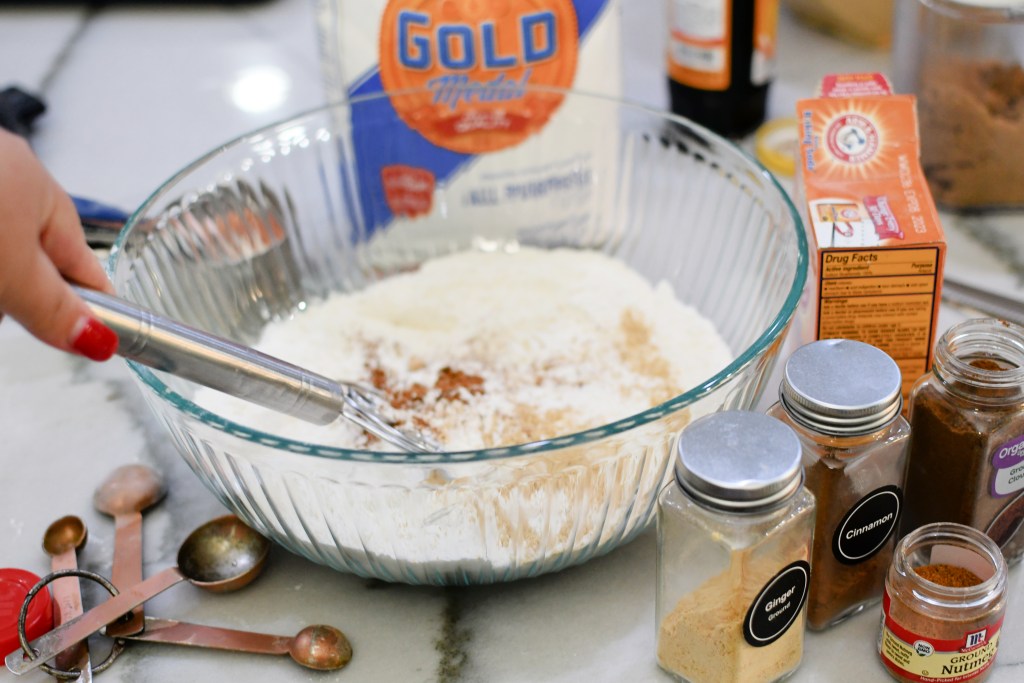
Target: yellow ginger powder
702	638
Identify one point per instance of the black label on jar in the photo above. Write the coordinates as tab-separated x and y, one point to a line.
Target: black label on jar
868	525
778	604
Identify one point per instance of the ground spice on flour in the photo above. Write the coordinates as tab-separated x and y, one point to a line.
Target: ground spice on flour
483	349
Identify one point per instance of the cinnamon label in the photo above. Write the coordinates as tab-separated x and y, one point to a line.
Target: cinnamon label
868	526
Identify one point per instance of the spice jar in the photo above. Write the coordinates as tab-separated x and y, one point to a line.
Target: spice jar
945	596
966	460
962	59
734	538
843	400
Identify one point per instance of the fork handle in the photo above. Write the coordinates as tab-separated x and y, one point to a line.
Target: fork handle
215	362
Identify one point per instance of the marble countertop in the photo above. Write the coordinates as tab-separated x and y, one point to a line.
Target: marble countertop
137	90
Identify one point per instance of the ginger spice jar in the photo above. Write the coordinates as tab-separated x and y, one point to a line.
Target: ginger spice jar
945	596
734	540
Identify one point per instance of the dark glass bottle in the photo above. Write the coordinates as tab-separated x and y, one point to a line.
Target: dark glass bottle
721	61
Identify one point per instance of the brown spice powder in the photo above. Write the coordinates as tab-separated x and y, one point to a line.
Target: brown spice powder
972	132
836	587
451	382
948	575
988	364
950	465
639	353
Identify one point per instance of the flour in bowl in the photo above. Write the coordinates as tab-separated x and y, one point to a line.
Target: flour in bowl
488	349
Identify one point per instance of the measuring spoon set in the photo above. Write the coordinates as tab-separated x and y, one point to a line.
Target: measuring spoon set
221	555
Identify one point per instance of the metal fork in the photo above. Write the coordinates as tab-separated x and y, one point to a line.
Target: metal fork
243	372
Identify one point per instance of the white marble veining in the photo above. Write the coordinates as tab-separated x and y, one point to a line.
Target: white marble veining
135	91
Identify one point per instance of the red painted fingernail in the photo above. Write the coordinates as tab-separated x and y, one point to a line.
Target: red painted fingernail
94	340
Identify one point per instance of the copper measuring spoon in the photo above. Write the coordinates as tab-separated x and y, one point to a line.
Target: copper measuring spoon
61	541
124	495
319	647
222	555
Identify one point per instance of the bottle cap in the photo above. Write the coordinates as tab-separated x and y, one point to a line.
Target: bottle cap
841	387
738	460
14	586
775	145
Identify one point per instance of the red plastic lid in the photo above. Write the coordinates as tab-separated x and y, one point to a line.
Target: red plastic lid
14	586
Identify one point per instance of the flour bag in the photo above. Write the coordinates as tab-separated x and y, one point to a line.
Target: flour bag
475	135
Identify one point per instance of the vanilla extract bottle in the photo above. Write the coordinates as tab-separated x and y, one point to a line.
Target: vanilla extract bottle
721	61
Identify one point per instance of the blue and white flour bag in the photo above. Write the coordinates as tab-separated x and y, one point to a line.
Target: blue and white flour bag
460	125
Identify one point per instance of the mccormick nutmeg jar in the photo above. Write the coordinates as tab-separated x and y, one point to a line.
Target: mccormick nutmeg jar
734	541
843	400
966	461
945	596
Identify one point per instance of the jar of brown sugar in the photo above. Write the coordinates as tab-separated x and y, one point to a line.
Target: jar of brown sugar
843	399
962	59
945	595
966	460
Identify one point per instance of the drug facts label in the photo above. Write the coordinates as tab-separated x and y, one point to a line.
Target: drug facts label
884	297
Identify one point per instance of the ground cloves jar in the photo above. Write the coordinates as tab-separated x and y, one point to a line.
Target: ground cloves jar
966	461
734	540
843	399
945	596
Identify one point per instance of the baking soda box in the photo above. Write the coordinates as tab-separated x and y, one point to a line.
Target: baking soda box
877	247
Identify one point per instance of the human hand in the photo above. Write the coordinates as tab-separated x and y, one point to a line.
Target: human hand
41	246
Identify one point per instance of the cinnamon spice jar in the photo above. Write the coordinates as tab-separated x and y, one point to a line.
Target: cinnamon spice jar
945	596
966	461
843	399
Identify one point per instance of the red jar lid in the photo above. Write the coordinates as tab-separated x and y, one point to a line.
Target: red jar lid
14	586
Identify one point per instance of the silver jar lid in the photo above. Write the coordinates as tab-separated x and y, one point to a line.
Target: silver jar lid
738	460
841	387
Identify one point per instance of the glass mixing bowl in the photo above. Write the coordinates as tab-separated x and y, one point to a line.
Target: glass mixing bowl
270	224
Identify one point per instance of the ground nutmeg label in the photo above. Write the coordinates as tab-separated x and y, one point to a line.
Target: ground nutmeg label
913	657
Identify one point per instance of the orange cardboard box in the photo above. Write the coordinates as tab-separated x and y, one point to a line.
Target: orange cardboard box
877	247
